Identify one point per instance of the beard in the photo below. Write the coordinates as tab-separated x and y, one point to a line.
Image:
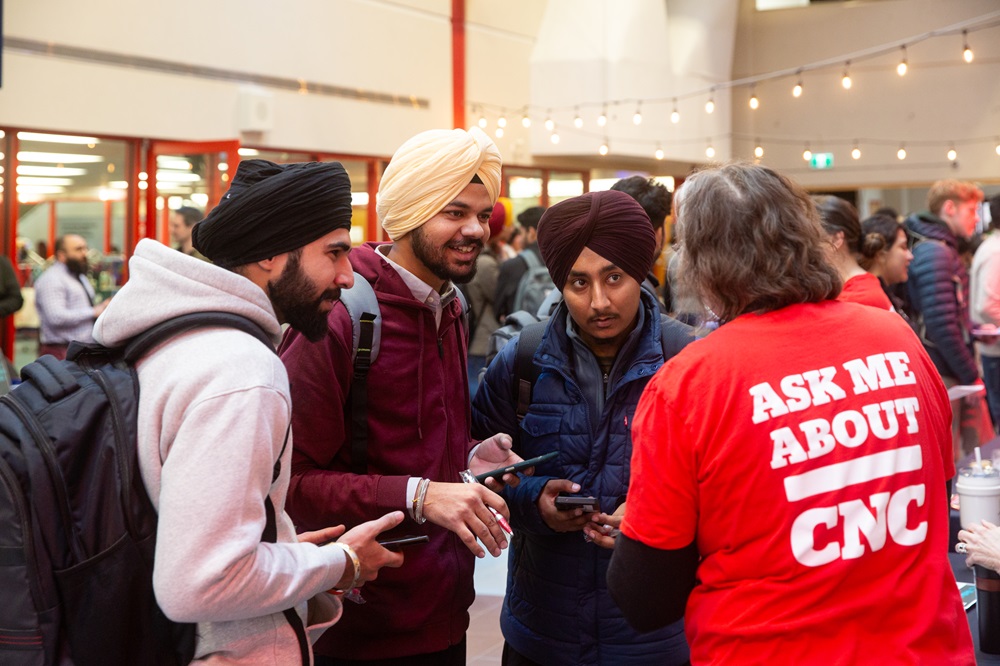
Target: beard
434	257
77	266
290	296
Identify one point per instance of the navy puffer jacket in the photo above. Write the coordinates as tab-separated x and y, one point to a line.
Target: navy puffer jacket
557	609
938	285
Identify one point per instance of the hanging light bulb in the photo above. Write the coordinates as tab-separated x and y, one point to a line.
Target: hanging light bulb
637	116
659	153
902	66
499	133
952	154
502	121
482	120
602	119
526	120
758	150
675	116
967	54
710	151
901	153
997	149
549	123
710	104
797	89
603	150
856	153
846	79
578	121
554	137
807	154
754	102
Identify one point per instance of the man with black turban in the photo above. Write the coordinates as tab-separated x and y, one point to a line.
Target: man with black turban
591	361
434	201
214	444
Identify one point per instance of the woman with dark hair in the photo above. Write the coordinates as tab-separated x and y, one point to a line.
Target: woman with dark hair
885	253
807	448
840	220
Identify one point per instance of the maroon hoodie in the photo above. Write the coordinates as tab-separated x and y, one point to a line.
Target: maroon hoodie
418	425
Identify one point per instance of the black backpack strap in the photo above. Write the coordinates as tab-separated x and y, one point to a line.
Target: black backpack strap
359	393
270	535
140	344
525	370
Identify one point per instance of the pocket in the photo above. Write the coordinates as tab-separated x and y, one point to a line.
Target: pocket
539	425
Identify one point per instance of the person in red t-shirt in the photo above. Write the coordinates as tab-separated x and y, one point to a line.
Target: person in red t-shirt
840	220
789	471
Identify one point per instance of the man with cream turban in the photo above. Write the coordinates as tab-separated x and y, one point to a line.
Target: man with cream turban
596	353
434	201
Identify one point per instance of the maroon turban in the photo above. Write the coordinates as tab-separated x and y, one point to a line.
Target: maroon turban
610	223
498	219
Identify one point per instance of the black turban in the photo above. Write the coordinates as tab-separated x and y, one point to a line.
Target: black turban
273	208
610	223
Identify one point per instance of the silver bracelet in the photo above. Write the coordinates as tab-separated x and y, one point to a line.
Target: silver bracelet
355	561
421	495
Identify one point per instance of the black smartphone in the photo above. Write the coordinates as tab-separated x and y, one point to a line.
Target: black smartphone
570	502
399	542
516	467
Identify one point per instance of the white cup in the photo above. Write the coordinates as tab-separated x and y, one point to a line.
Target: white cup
979	494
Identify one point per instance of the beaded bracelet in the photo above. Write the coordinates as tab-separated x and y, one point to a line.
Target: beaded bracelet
421	495
357	566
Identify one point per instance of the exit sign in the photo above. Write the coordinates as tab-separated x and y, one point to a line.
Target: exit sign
821	161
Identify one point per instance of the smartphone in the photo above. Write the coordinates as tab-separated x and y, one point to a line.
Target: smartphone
516	467
570	502
399	542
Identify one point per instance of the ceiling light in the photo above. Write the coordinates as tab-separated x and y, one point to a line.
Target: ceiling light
710	152
659	153
967	54
57	138
902	66
30	170
58	158
846	79
248	152
39	180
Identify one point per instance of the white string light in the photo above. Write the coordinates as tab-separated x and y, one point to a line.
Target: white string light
659	152
577	120
903	65
797	90
554	137
754	102
967	54
603	150
901	153
602	119
709	151
526	120
675	115
710	104
502	121
550	124
807	154
758	150
952	154
499	133
856	152
637	116
846	79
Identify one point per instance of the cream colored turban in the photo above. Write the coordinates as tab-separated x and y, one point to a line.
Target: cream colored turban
429	171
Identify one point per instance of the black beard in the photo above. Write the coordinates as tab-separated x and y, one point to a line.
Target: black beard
289	296
433	258
77	266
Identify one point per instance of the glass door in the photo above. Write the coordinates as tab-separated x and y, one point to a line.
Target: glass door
182	174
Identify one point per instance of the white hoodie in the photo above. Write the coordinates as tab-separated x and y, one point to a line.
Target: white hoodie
213	412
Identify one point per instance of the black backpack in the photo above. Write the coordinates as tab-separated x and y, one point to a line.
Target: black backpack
77	528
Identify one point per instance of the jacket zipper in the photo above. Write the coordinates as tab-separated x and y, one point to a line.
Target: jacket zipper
58	482
10	480
122	453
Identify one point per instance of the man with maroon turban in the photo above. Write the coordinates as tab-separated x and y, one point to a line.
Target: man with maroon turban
601	346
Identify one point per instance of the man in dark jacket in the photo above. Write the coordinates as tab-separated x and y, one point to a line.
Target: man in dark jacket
939	288
435	200
604	342
655	199
512	270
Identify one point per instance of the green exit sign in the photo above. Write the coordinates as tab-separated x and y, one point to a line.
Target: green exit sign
821	161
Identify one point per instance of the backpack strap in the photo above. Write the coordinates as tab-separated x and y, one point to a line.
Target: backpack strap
366	337
525	371
531	259
140	344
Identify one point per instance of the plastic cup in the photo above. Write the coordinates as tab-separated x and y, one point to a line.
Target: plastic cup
979	494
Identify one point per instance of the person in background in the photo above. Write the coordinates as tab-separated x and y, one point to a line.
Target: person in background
182	220
64	298
481	290
10	289
435	200
840	220
786	502
938	287
601	346
214	438
984	310
512	270
885	253
655	199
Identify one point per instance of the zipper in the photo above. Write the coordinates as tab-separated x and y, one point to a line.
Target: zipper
58	482
122	454
10	480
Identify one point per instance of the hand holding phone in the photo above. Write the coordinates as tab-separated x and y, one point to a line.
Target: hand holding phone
516	467
570	502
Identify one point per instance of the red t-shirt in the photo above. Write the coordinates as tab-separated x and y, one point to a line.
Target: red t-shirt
867	290
806	452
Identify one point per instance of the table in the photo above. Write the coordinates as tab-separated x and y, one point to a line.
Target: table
964	575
